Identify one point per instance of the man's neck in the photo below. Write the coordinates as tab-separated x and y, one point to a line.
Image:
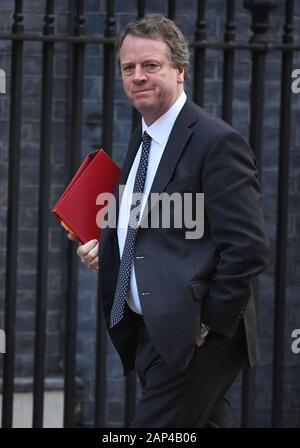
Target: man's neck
149	120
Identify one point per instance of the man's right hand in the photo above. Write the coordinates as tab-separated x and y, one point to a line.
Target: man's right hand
88	253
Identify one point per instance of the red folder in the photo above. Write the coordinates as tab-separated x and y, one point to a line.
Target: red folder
77	209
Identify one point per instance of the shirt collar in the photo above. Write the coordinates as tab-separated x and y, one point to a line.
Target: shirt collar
160	130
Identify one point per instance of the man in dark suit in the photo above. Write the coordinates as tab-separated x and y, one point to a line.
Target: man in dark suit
179	307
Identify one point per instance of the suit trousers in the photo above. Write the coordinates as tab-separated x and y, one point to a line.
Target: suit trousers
195	397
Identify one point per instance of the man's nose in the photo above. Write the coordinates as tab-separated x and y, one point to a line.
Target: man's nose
139	74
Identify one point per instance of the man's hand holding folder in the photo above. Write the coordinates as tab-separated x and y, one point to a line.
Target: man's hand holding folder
77	207
88	252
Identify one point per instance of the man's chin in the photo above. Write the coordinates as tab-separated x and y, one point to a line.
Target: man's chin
143	106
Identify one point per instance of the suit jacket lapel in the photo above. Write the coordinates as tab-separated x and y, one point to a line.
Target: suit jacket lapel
133	147
177	141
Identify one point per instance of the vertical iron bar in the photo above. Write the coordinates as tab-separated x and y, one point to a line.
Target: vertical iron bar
108	112
12	218
260	24
171	9
42	259
282	220
228	64
75	145
136	116
109	78
141	8
199	54
260	18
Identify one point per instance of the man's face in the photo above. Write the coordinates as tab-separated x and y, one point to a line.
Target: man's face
150	80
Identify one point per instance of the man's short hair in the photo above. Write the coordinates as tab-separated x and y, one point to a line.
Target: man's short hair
156	26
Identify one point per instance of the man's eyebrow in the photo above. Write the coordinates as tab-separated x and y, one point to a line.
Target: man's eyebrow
153	60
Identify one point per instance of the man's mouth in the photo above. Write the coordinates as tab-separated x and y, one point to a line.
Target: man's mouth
141	91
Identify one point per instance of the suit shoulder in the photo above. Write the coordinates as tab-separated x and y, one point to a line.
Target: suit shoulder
210	126
213	136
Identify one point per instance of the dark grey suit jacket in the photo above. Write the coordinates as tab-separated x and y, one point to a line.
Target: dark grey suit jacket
192	280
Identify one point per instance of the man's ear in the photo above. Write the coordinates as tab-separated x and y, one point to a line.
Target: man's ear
180	74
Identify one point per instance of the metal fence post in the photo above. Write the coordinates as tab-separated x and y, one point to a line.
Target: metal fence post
282	221
12	217
43	225
260	10
75	157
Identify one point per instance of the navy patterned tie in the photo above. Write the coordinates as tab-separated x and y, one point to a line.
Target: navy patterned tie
123	282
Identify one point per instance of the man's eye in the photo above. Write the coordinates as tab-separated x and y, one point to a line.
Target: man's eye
152	67
128	69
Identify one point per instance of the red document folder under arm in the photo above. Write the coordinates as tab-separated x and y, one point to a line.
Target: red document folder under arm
77	209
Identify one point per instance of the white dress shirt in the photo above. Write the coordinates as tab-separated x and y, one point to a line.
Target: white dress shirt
159	131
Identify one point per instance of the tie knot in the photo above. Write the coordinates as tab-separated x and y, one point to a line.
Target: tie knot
146	137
